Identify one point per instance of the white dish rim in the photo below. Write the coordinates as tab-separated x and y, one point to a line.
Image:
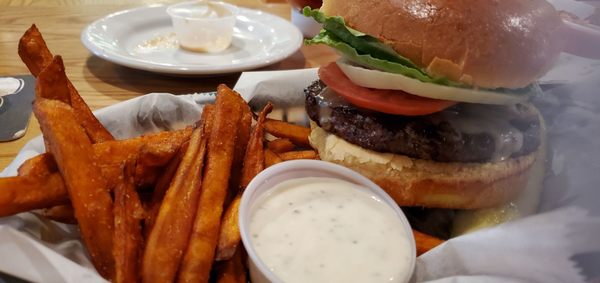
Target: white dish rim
134	63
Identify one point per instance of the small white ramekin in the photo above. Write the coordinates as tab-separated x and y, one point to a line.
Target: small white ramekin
202	34
308	26
270	177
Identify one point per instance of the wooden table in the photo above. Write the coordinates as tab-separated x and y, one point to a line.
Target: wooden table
100	82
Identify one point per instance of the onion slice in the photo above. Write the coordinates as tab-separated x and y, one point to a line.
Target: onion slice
384	80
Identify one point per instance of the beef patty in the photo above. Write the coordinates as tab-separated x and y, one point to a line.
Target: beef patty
462	133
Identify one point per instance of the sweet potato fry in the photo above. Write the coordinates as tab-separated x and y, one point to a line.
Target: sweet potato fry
146	177
296	134
153	152
271	158
73	154
198	259
52	82
170	233
254	157
232	270
153	149
280	145
241	143
33	51
303	154
164	181
63	213
90	123
425	242
40	165
36	56
24	193
162	185
157	149
151	159
128	213
229	233
109	155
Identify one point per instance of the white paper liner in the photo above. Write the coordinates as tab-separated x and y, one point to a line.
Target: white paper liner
534	249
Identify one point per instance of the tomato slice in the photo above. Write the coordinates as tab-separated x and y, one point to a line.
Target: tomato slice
388	101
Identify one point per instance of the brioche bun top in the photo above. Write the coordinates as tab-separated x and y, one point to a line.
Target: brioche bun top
483	43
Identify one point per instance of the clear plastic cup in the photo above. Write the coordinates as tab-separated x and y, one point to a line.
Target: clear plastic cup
203	26
272	176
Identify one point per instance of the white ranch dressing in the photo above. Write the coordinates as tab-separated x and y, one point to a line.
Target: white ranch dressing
329	230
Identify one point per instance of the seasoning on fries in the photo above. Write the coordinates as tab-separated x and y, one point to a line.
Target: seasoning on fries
36	56
33	51
198	258
24	193
53	82
271	158
304	154
39	165
254	157
73	154
229	234
170	233
41	171
281	145
241	143
63	213
160	189
296	134
127	240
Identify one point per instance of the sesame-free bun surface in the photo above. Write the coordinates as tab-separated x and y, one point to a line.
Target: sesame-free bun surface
418	182
484	43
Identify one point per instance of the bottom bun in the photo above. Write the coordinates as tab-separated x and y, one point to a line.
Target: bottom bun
417	182
525	204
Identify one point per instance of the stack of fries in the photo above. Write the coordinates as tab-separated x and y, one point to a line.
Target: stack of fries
157	208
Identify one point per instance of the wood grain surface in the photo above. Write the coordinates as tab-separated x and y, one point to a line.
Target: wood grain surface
100	82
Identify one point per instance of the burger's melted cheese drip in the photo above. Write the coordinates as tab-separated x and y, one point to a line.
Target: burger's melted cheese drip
327	99
484	119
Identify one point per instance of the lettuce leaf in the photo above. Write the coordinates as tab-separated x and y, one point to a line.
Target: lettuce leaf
370	52
363	43
326	37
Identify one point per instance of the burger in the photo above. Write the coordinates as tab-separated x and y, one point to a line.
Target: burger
430	98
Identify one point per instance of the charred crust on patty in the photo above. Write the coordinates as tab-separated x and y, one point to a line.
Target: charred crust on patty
419	137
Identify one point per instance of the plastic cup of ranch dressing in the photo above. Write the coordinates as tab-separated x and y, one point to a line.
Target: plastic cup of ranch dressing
203	26
314	221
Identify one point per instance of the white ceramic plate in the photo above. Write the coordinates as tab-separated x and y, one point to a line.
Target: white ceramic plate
142	38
